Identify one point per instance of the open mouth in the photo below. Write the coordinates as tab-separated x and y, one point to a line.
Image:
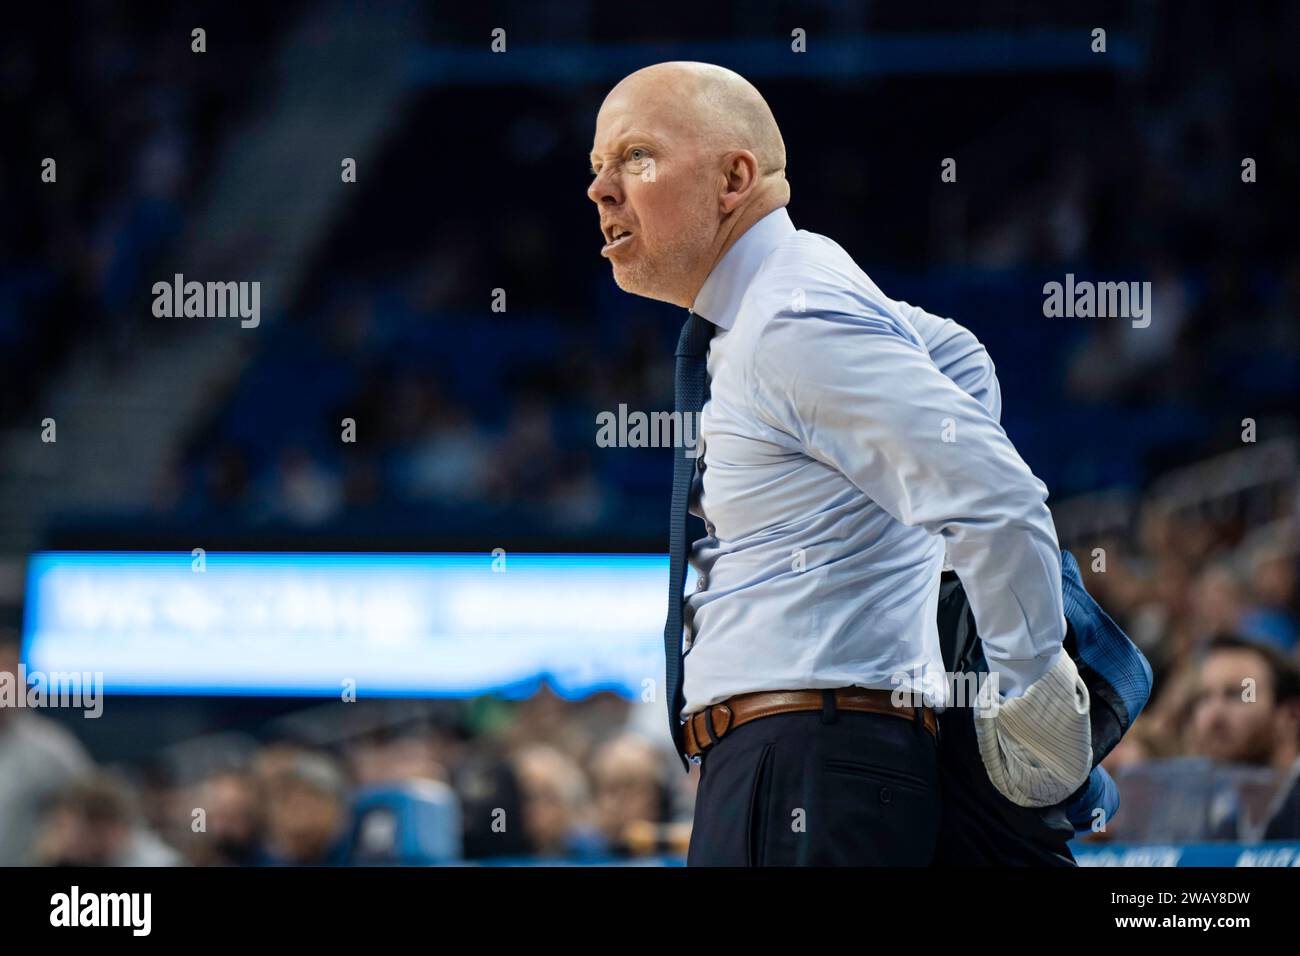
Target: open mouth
616	237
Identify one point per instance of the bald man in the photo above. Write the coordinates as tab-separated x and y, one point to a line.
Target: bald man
847	441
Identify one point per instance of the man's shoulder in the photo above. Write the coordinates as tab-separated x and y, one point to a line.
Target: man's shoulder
811	281
811	259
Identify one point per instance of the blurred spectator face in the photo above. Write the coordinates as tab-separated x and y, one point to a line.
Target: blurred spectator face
89	825
1218	600
274	761
1171	582
68	839
626	779
553	789
1273	580
306	811
234	817
1226	724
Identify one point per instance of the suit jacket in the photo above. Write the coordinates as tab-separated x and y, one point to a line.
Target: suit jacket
982	826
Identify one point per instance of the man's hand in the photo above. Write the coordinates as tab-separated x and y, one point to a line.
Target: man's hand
1037	748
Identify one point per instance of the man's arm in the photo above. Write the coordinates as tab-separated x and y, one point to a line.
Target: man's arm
863	396
958	354
854	385
962	359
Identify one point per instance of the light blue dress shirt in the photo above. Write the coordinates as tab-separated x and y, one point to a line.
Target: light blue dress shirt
849	442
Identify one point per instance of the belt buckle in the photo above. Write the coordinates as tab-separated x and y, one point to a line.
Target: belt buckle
704	738
701	732
692	736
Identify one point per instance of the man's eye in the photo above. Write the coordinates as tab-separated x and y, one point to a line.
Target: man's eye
636	154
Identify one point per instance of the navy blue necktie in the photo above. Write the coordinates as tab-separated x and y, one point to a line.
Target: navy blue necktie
691	386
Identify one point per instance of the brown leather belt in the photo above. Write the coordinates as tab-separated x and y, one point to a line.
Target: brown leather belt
742	708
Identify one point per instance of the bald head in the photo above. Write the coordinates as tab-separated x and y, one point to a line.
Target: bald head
686	157
718	106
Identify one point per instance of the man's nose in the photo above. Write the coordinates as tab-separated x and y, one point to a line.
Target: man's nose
604	190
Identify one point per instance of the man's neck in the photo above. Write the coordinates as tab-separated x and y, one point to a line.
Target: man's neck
740	222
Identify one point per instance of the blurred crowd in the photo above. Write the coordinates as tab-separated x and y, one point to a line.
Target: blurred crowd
1211	597
540	779
1208	589
132	149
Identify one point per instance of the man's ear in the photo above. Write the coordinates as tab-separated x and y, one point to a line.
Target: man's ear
739	177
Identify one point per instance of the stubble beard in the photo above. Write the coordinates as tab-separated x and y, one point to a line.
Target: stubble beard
666	273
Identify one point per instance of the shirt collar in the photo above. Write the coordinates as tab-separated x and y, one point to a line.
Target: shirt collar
720	297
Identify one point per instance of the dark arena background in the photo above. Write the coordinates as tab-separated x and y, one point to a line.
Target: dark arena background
347	574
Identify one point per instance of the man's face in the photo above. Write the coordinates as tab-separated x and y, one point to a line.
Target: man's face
655	183
547	812
234	811
303	822
626	792
1226	724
